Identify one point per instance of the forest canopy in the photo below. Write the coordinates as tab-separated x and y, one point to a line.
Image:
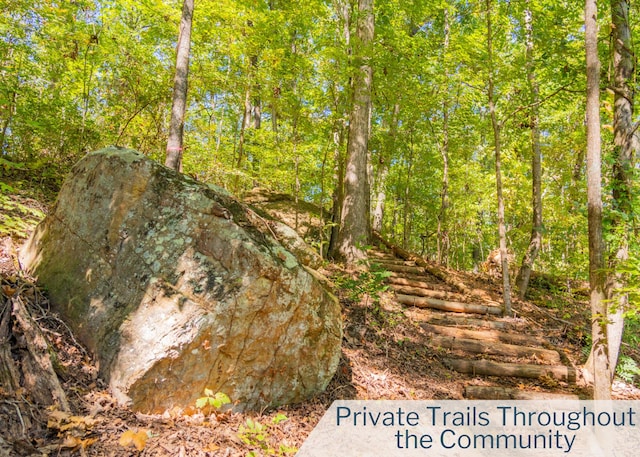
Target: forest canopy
271	89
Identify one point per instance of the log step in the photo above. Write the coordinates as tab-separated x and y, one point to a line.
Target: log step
455	320
518	370
393	261
509	393
424	280
444	305
485	335
379	255
502	349
421	282
424	292
414	270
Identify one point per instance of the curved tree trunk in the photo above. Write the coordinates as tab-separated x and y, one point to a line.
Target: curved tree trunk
180	86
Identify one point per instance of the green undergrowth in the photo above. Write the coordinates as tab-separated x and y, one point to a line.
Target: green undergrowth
20	199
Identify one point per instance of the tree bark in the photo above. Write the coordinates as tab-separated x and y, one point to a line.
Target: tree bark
598	363
625	148
175	145
354	230
338	191
535	241
342	8
502	231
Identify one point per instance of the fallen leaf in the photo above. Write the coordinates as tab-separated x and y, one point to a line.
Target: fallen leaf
8	291
135	438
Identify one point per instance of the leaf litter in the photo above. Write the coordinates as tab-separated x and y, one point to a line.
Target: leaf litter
382	358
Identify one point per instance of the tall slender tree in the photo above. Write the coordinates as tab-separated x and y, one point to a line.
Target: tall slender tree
354	230
598	363
443	223
535	242
383	168
175	144
497	145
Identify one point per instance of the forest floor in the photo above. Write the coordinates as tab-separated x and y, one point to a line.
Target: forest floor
382	358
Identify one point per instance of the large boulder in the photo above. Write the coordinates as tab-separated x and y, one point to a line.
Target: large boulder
178	287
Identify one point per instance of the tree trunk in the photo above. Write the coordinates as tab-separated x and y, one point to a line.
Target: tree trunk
343	11
354	230
383	170
406	203
598	362
625	147
180	86
535	241
443	229
246	120
502	231
338	191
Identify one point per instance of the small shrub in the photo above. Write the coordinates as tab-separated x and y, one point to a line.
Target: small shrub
212	400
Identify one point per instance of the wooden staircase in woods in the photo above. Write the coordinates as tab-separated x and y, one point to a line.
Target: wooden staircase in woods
467	328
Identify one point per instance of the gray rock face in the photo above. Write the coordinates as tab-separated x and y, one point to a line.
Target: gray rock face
176	287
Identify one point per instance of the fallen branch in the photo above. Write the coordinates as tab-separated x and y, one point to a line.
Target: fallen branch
40	379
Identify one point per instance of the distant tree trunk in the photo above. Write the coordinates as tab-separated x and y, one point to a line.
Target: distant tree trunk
443	226
598	362
626	147
244	125
383	169
338	191
502	231
536	162
255	104
406	204
180	86
381	194
354	230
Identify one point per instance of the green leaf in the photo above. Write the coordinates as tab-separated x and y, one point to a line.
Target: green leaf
220	399
280	417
